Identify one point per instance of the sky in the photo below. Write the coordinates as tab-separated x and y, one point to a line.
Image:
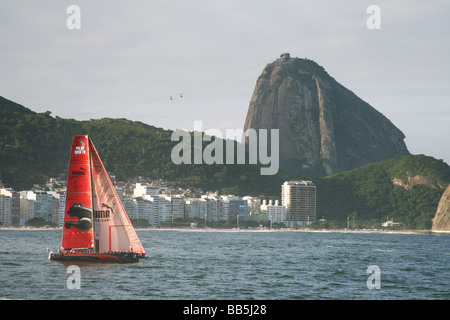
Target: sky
170	63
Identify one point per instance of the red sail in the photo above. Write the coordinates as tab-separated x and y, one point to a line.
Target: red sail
78	222
113	229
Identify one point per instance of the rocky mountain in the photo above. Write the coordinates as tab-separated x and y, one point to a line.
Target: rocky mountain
441	221
324	128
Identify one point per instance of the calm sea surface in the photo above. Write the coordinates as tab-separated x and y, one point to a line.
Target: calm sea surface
236	265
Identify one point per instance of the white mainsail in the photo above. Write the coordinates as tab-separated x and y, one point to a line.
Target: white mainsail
113	231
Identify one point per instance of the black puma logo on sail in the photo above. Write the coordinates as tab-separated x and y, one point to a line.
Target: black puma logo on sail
84	215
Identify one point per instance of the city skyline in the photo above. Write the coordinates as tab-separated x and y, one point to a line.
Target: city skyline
145	202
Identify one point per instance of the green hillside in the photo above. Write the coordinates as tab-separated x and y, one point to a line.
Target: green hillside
368	194
34	146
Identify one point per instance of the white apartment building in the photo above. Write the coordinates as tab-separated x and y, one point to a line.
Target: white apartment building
143	209
144	189
130	207
164	209
195	208
177	204
5	210
274	211
299	198
62	208
218	208
59	206
38	204
253	203
237	207
147	204
9	207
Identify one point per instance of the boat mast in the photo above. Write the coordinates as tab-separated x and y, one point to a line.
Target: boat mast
96	245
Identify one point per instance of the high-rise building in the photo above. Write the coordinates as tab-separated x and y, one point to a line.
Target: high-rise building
5	211
299	198
253	203
177	207
196	208
274	212
9	207
59	205
217	208
237	207
37	204
143	189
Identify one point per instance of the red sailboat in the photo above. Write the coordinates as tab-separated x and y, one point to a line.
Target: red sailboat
96	226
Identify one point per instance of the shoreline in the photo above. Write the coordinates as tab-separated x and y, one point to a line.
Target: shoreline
298	230
257	230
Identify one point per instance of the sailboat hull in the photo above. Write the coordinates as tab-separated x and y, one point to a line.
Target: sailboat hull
113	257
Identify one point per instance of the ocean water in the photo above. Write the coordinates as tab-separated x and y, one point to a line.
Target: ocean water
243	265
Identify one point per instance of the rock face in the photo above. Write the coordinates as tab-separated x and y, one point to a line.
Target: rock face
414	181
441	221
324	128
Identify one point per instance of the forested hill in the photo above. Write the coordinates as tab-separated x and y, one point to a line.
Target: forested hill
37	145
406	189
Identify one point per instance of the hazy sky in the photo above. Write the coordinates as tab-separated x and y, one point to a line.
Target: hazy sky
130	57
